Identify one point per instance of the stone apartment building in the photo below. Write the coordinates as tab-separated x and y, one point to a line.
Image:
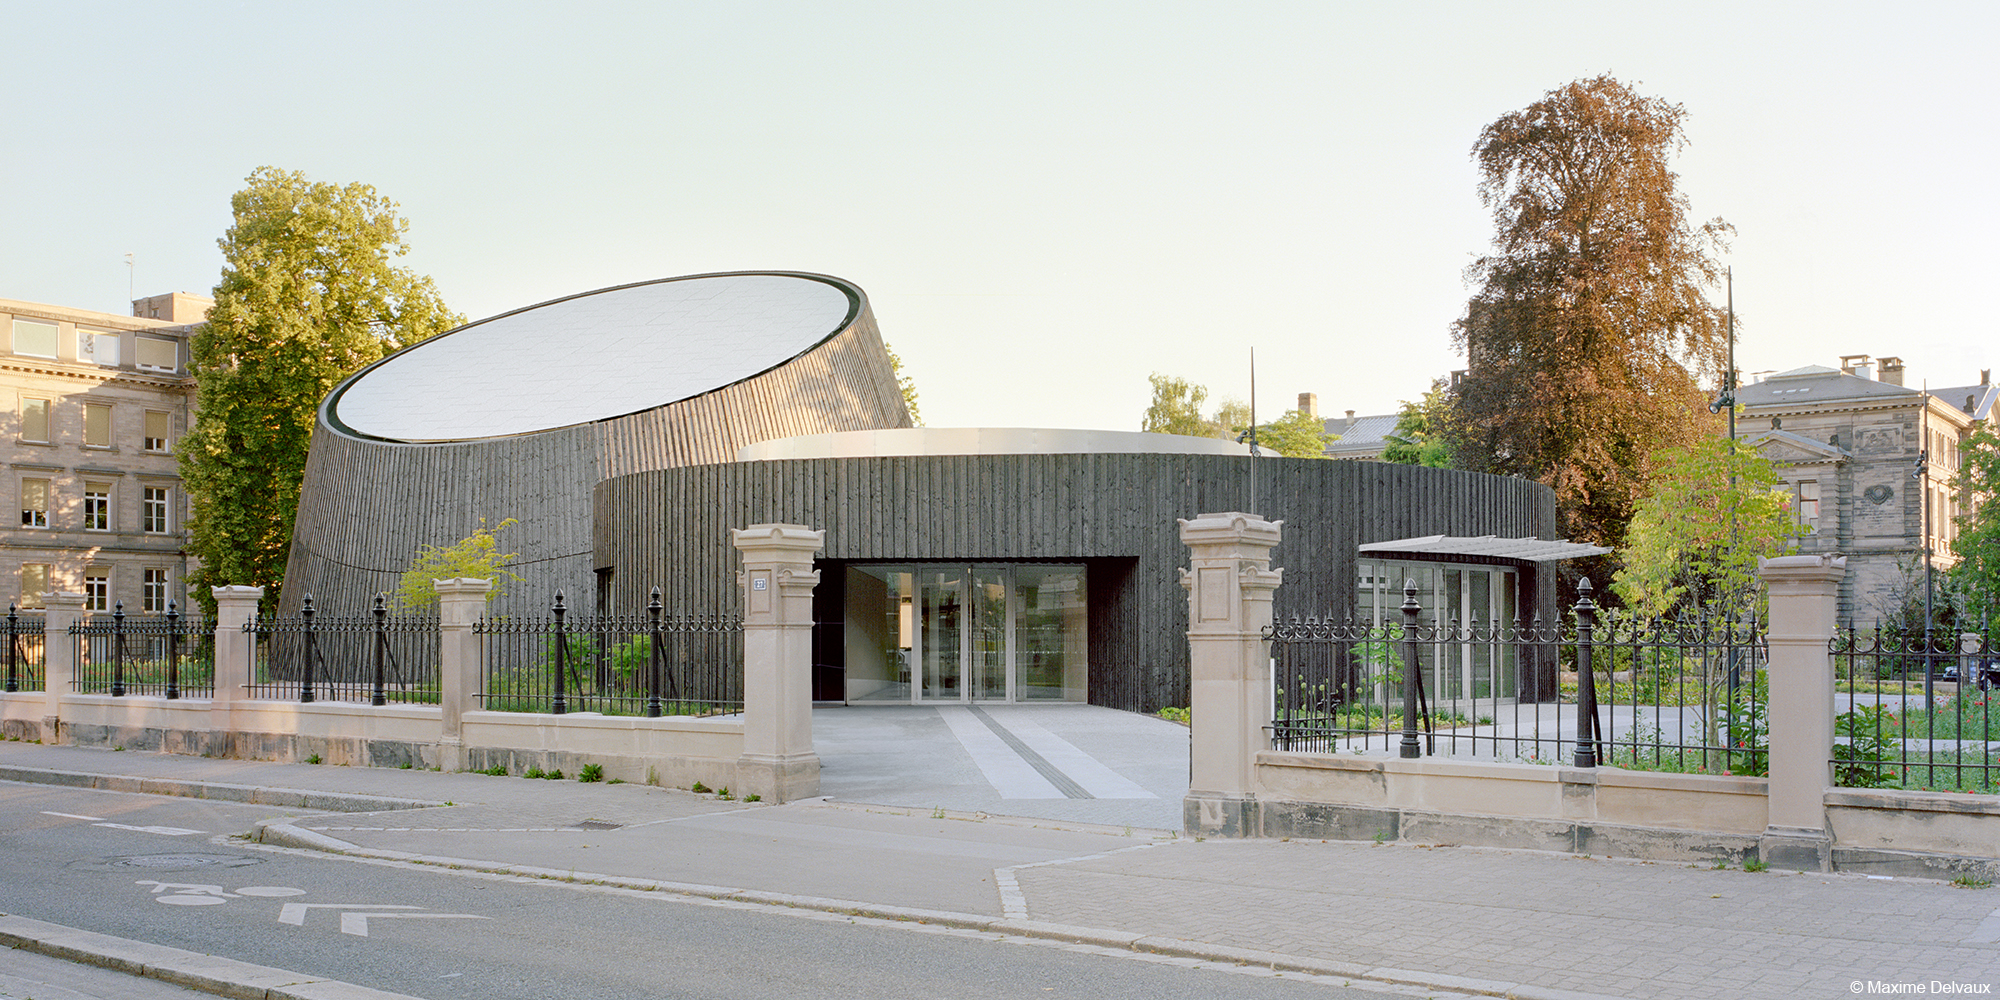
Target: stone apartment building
1871	465
95	404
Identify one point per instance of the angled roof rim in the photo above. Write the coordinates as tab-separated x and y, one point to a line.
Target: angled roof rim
1530	549
857	302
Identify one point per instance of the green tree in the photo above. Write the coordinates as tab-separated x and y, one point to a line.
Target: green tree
308	296
476	556
1421	434
1977	575
908	387
1231	419
1176	408
1297	434
1590	334
1695	539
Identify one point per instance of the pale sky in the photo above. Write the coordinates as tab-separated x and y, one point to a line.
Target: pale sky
1046	202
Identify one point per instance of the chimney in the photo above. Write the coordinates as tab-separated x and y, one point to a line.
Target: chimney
1892	370
1985	376
1309	404
1855	365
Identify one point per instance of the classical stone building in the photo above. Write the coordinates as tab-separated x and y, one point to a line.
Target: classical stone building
96	403
1870	464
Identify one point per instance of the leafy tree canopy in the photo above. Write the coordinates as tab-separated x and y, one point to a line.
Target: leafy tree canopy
1421	434
1696	537
908	387
1977	575
476	556
1176	408
1589	335
1297	434
309	295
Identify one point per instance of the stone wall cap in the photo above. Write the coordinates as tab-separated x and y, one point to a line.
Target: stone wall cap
1812	565
1233	522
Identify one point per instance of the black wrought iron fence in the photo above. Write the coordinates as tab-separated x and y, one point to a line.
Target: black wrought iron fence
1915	711
378	658
1686	696
168	655
26	647
649	664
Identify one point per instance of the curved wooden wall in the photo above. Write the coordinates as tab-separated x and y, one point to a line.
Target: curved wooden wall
1117	513
367	505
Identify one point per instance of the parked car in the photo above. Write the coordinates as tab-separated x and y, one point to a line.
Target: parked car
1985	671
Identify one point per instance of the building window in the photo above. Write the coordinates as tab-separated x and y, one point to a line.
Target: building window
34	503
155	592
97	507
101	348
159	430
97	590
34	584
97	425
35	420
38	339
1805	504
156	521
159	355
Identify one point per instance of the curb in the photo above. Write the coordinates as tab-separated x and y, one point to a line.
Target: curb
292	798
282	833
193	970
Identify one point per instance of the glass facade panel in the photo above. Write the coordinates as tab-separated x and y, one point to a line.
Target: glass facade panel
155	592
986	632
155	510
1477	599
96	507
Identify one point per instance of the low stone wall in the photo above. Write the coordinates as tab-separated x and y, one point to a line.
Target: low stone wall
1610	811
671	751
21	714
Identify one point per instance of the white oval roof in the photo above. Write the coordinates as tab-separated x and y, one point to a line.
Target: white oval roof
592	356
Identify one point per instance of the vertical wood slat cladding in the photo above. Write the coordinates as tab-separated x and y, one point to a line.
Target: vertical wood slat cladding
367	505
1116	513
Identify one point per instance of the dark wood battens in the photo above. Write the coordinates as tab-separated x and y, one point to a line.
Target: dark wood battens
366	505
1114	513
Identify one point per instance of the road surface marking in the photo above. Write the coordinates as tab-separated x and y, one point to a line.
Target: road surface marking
357	923
171	831
93	819
295	913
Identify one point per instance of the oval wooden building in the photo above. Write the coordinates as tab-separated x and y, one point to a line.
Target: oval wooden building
523	414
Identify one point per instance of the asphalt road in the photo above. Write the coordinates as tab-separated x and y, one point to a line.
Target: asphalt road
153	869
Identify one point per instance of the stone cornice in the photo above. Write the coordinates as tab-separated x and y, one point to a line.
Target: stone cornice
100	376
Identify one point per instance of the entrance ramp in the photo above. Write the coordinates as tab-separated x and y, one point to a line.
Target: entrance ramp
1071	763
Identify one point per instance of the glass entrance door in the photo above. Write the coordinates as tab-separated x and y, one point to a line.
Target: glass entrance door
961	633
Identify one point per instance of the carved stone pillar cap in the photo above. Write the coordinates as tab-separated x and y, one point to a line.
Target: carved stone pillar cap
463	585
1228	526
1824	566
254	593
793	537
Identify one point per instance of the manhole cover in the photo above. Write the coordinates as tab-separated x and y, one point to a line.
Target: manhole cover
595	824
170	862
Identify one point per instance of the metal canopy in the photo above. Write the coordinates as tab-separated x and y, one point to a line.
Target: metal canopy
1533	550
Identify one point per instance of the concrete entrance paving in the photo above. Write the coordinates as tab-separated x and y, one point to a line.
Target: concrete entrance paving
1075	763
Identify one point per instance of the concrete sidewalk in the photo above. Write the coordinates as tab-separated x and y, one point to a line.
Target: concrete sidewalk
1513	923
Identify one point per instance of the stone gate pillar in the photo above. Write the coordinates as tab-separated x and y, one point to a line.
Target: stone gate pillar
1229	582
234	608
461	603
58	659
1804	593
778	761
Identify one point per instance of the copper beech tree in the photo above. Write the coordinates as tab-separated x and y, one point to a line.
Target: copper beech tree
1590	337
